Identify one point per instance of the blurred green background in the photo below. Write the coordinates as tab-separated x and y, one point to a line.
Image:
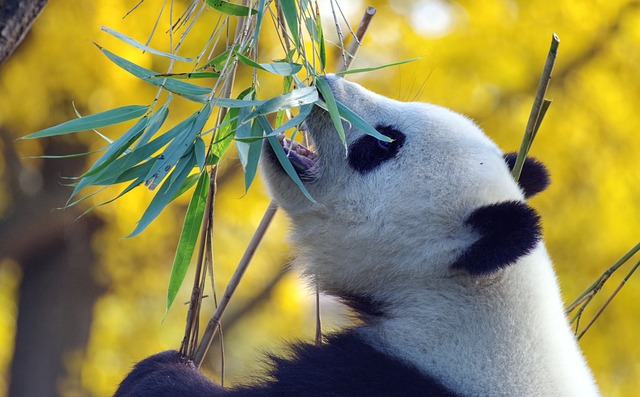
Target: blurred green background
79	304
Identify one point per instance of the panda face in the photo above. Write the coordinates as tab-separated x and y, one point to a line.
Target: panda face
401	204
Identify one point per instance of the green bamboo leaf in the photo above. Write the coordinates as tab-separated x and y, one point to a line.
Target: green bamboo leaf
332	108
231	9
166	194
200	149
361	70
279	68
295	121
188	238
261	8
226	134
290	11
253	153
144	47
188	75
179	146
103	119
190	91
155	122
283	159
294	98
120	168
357	122
118	146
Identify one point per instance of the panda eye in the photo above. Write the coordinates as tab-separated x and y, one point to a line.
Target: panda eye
384	145
367	153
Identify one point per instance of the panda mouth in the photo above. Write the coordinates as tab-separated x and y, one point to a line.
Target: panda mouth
303	159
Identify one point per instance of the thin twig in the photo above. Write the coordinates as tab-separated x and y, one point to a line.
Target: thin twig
606	303
355	44
535	118
597	285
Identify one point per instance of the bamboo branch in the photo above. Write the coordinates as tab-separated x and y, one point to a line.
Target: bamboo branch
609	299
539	108
214	322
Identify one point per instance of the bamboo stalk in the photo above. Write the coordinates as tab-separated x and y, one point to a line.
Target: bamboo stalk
538	109
214	322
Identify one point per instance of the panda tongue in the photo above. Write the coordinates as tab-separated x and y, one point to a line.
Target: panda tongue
300	157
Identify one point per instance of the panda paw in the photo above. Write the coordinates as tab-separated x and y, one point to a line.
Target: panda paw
168	373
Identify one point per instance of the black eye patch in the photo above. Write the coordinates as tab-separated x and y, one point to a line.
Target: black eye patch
367	153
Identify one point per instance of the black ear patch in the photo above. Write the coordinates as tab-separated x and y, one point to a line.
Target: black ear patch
508	231
367	153
534	177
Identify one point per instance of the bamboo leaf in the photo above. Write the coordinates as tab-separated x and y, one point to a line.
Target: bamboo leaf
230	9
118	146
290	11
103	119
190	91
188	75
188	238
332	108
155	122
178	146
361	70
279	68
253	153
357	122
283	159
294	98
144	47
166	194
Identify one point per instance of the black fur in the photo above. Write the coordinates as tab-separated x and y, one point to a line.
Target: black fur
507	230
367	153
534	177
344	366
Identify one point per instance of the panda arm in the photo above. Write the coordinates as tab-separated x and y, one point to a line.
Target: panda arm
344	366
167	374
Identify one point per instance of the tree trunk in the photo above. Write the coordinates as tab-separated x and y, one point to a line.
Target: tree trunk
58	289
16	18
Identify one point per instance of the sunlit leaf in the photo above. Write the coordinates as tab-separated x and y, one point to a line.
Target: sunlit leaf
189	75
362	70
295	98
98	120
144	47
279	68
230	9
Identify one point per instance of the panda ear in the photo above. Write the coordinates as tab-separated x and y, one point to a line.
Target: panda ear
534	177
508	230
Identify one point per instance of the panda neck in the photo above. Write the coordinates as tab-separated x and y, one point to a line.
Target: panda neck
509	337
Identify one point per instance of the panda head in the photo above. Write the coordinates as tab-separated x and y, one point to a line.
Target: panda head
436	203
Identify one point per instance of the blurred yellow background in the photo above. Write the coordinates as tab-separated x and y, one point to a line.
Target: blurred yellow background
79	304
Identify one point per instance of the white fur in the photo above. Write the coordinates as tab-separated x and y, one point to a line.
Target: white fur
393	233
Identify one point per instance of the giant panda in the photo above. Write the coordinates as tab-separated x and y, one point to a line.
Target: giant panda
429	239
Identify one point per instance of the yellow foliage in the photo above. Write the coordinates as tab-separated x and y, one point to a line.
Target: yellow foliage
484	60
